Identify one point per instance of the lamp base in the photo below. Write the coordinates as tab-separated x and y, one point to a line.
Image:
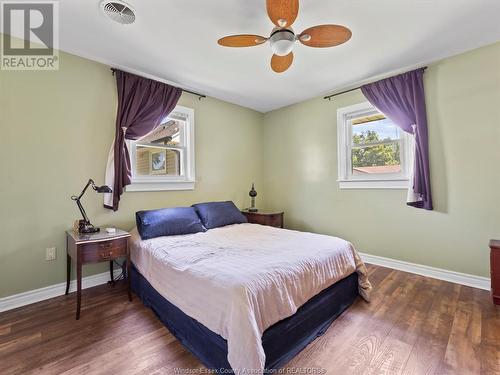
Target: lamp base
252	209
90	230
86	227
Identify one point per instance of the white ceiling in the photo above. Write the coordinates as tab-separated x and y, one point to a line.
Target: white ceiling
176	40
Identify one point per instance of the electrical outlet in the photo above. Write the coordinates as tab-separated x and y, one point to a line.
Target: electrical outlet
50	253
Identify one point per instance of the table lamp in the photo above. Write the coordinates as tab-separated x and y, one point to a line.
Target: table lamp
85	226
252	194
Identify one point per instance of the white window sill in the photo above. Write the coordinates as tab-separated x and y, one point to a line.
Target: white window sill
373	184
160	186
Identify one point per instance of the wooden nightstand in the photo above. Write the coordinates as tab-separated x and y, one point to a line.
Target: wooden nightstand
272	219
495	270
95	248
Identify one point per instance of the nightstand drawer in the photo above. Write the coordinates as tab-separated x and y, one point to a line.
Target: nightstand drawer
105	250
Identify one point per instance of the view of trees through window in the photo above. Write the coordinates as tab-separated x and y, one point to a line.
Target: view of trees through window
375	146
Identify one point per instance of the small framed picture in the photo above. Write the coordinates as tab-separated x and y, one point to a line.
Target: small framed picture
158	162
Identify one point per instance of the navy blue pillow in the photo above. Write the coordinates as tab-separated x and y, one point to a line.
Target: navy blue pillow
168	222
218	214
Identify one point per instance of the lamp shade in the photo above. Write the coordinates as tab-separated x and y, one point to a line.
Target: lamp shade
103	189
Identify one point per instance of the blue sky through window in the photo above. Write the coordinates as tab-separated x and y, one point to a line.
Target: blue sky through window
384	128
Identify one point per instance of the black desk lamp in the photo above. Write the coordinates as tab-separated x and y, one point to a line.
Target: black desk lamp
85	226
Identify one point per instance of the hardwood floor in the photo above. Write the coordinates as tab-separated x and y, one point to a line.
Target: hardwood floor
414	325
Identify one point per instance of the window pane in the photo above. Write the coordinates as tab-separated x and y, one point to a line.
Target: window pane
383	158
154	161
170	133
370	129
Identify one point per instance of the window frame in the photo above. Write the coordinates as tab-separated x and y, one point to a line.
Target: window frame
187	179
346	179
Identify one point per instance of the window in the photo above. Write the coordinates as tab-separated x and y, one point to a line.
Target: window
373	153
164	158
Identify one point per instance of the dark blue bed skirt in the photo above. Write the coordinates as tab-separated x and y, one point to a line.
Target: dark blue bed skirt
281	342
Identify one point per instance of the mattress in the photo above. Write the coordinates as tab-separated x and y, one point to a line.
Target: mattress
241	279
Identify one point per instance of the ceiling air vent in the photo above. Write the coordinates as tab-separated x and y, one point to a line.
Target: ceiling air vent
118	11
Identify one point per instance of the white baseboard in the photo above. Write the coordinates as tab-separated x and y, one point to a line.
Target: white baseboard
37	295
436	273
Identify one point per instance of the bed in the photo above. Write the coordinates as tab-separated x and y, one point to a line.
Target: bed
246	296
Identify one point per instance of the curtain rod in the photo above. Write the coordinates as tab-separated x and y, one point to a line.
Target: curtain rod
329	97
200	96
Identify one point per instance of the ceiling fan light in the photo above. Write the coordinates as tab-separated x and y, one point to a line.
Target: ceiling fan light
282	42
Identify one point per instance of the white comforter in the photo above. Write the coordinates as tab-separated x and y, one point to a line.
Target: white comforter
240	279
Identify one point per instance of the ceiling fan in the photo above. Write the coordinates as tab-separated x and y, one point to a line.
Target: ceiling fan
282	39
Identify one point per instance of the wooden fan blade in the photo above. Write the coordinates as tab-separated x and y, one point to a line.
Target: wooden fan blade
245	40
281	63
282	12
325	36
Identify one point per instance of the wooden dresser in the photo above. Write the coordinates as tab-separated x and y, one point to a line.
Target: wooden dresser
272	219
495	270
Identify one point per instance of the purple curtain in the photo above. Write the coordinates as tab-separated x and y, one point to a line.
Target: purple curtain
142	105
402	99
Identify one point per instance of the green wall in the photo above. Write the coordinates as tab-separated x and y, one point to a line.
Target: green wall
463	103
56	131
57	127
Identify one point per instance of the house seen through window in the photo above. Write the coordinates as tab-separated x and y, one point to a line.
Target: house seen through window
159	152
164	158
